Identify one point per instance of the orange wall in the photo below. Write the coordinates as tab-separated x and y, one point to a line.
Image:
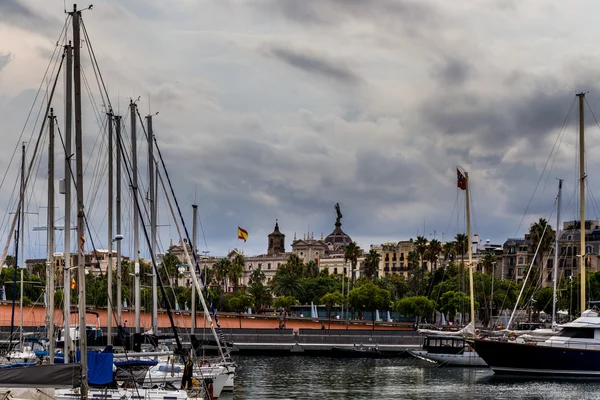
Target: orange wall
35	316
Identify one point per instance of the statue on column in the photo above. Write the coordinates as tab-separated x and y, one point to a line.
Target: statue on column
339	214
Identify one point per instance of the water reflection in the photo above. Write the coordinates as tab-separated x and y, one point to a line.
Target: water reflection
298	377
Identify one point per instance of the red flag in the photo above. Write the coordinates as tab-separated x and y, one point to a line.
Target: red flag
462	180
242	234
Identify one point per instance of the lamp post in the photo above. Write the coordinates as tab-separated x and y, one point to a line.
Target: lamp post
492	296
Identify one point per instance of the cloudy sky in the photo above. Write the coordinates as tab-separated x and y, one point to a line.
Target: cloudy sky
278	109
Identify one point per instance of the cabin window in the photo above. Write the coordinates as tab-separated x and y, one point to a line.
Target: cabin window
579	333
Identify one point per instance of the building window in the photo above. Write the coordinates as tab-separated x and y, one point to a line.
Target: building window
259	265
345	271
278	264
301	253
550	263
335	271
268	265
387	265
393	265
549	278
520	262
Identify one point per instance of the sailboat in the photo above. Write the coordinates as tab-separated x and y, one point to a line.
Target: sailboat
573	351
452	349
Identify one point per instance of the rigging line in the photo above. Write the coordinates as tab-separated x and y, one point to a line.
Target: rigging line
561	132
95	62
119	143
35	151
19	140
198	270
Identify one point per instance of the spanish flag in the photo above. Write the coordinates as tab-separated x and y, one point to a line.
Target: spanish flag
242	234
73	284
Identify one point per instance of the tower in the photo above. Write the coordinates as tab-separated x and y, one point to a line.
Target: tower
276	241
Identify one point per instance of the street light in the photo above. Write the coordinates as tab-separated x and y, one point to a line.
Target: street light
118	237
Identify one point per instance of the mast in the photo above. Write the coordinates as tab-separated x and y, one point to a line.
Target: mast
153	222
50	268
136	242
118	221
110	229
17	234
195	251
469	244
80	212
556	238
21	229
67	189
582	201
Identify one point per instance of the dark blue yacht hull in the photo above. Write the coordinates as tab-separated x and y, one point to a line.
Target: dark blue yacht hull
511	358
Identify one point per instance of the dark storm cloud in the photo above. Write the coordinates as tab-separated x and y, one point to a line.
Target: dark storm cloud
15	13
453	71
323	12
5	59
314	64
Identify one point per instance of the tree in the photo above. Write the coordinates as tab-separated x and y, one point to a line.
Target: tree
400	285
369	297
489	260
221	270
372	263
351	253
540	234
433	251
286	284
240	303
257	276
449	251
417	306
311	269
169	268
452	302
462	246
236	270
330	300
421	248
261	295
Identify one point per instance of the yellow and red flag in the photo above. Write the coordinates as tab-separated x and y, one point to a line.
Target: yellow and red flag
73	284
242	234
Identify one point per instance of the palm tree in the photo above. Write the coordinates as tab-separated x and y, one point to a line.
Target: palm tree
221	269
257	276
235	272
261	295
462	246
352	253
372	264
541	233
450	251
488	262
311	269
421	247
286	284
434	250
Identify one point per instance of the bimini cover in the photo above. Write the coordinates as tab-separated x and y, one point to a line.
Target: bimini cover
100	368
42	376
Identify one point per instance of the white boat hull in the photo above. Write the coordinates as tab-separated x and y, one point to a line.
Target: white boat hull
465	359
124	394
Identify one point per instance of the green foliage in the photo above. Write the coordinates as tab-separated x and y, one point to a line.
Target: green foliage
284	302
241	302
351	253
416	305
369	297
261	295
286	284
312	289
543	300
453	302
371	264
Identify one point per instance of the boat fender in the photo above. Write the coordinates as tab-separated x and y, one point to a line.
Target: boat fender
512	336
477	332
205	362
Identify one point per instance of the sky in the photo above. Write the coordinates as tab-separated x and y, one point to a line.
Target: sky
279	109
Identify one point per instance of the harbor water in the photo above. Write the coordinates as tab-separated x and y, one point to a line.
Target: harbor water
298	377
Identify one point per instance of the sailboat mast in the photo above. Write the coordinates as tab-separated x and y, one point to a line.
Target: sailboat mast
80	211
556	239
195	250
67	189
50	266
582	201
136	242
153	222
118	220
469	245
110	229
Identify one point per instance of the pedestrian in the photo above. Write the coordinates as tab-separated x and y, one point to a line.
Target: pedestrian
125	324
322	326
